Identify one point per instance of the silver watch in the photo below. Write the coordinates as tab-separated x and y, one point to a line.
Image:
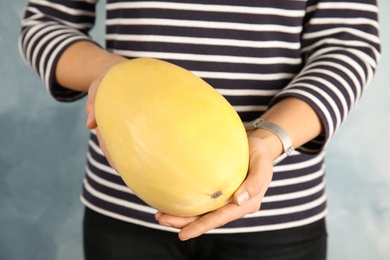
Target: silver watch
278	131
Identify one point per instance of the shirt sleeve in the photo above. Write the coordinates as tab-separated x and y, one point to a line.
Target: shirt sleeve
341	50
48	28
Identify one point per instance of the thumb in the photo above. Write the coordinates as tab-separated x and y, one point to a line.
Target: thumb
90	104
92	90
259	173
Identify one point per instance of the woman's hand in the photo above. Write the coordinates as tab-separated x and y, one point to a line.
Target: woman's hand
81	67
247	199
90	110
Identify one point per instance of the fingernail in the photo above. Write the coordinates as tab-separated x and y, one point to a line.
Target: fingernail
242	198
183	238
157	215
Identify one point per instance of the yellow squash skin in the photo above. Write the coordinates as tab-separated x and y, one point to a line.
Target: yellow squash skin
176	142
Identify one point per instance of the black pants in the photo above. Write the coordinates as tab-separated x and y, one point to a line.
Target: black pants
106	238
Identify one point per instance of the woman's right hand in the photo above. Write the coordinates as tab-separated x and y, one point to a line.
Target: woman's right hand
81	67
90	109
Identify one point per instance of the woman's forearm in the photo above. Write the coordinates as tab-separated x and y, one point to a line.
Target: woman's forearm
296	117
81	63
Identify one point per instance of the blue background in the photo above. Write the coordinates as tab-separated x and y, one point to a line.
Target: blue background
43	145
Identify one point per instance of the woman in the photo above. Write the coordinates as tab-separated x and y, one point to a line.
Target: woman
299	65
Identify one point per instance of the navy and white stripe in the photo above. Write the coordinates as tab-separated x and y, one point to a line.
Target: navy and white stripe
254	53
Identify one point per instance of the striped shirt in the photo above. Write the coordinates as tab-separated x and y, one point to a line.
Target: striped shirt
254	53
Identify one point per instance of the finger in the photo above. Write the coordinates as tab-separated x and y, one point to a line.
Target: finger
103	147
90	106
174	221
91	120
259	173
218	218
158	215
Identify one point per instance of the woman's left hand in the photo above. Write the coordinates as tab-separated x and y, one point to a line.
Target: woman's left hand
247	199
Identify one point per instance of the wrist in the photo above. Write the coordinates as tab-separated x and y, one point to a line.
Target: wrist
275	137
108	60
81	63
272	142
105	62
